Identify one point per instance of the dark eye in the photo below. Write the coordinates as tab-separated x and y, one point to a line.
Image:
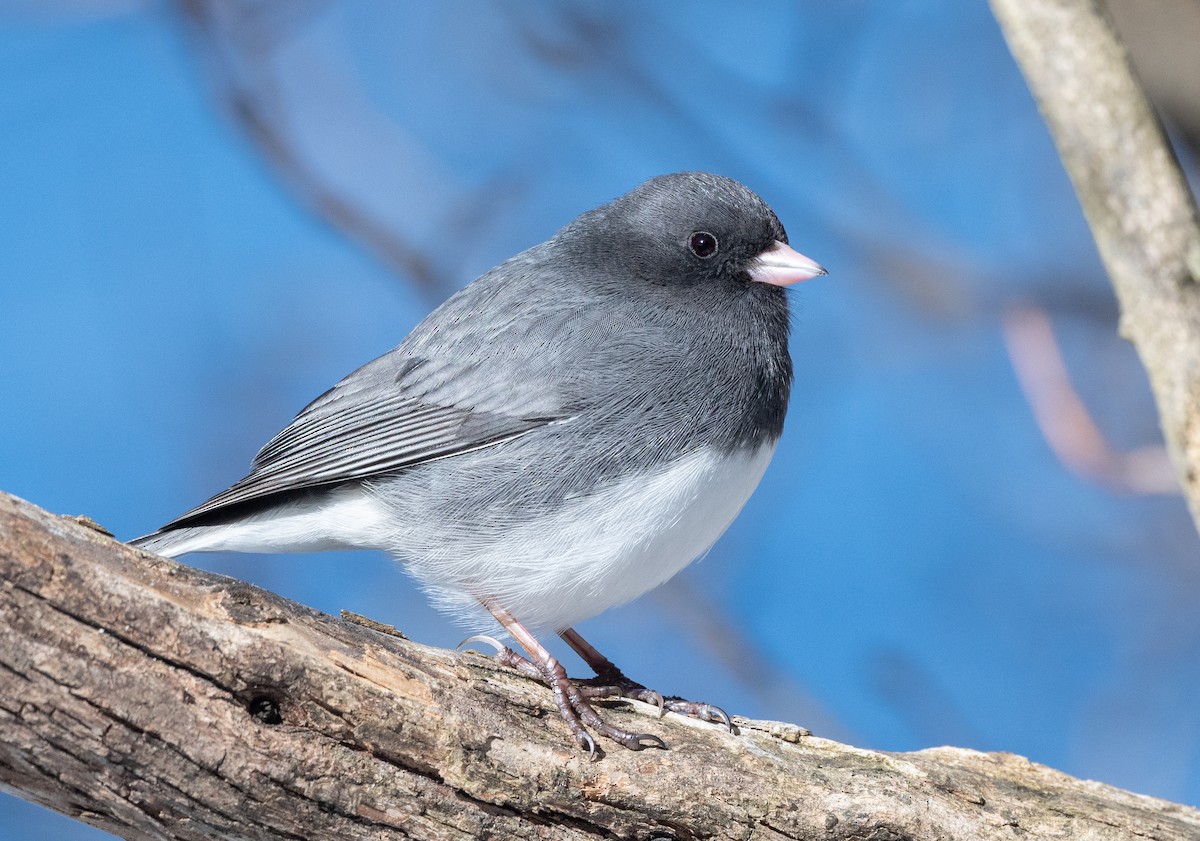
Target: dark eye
703	244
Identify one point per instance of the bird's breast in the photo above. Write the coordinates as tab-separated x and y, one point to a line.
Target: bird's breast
606	547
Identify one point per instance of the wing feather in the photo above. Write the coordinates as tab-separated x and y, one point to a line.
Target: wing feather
429	398
355	431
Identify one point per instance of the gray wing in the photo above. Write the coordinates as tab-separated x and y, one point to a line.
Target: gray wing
490	364
372	422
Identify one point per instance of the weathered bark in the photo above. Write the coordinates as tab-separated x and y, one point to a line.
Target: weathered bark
1136	200
155	700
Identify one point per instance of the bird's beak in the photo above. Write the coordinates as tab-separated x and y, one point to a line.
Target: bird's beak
781	265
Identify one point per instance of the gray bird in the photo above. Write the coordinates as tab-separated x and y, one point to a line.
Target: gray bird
562	435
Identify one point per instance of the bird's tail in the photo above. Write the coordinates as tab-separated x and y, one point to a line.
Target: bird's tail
171	543
345	518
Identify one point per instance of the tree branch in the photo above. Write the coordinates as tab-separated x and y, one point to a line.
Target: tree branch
1136	200
156	701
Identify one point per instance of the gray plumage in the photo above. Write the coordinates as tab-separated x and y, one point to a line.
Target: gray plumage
587	363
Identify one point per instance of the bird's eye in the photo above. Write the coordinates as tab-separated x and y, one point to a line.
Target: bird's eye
703	244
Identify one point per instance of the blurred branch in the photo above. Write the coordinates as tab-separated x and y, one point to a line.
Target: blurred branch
1136	200
157	701
238	40
1063	419
337	209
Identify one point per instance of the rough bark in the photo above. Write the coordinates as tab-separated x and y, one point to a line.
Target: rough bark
155	701
1133	194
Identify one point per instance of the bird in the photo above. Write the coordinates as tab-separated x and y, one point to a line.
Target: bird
560	436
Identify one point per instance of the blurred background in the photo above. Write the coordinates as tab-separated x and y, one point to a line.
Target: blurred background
970	535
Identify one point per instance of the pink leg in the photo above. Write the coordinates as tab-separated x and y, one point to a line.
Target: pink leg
572	703
612	683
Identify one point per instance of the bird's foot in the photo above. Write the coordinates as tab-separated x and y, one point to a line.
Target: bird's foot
505	656
599	689
700	710
618	686
571	699
611	682
578	711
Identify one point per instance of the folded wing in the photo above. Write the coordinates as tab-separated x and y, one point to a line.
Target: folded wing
367	425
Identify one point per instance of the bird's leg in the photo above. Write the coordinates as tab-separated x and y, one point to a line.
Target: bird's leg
572	704
611	682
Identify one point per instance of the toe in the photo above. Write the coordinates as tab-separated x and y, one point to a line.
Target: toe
704	712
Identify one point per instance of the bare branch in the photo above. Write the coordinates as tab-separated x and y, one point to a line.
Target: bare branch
1137	202
158	701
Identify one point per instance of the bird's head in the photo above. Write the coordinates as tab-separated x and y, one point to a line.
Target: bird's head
693	227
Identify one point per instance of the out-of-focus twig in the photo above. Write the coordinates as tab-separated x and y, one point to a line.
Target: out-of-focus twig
337	209
1136	200
1063	419
238	41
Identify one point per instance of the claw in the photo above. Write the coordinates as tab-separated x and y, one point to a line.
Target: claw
718	714
652	742
585	740
481	638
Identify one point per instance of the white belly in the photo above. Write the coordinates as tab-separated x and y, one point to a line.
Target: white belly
599	551
592	554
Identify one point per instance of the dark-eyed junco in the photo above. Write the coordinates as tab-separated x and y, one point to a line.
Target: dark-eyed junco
562	435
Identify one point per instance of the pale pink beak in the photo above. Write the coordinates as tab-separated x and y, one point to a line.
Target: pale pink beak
781	265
